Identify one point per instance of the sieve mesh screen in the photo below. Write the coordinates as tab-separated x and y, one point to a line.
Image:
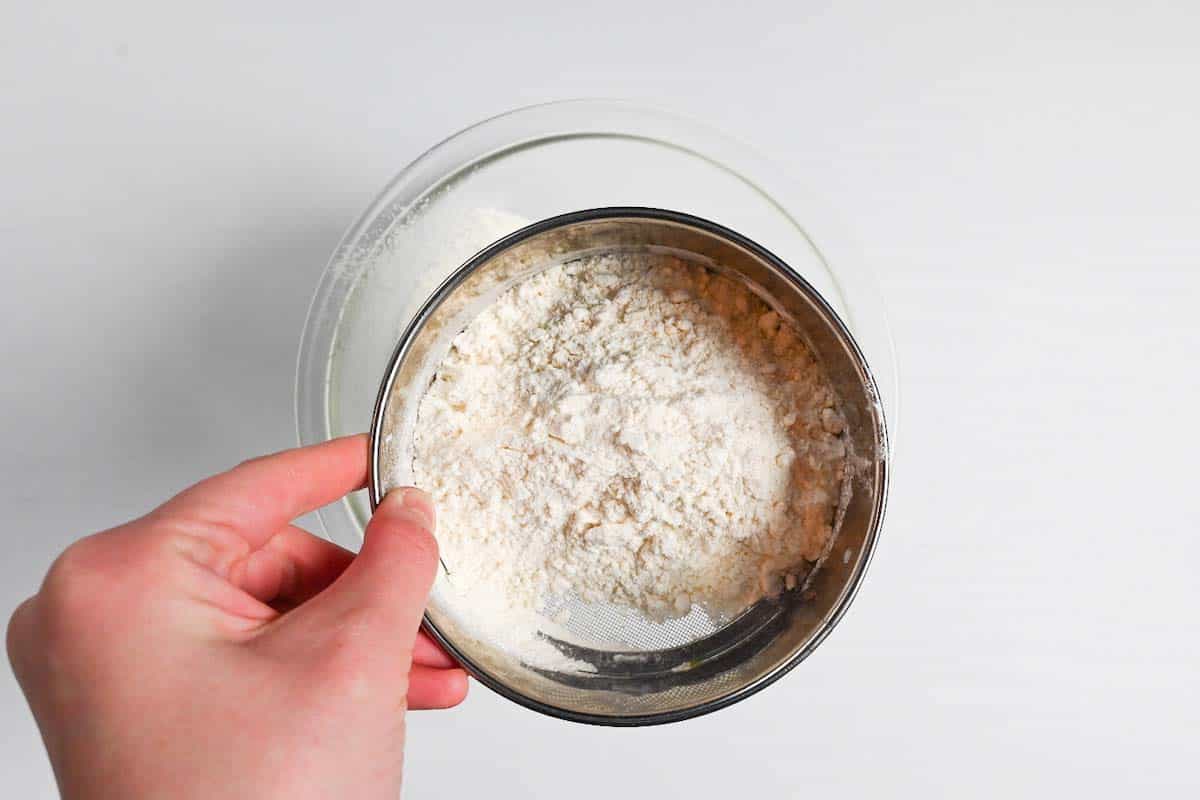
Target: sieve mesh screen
614	626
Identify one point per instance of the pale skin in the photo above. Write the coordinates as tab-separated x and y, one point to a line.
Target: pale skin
213	649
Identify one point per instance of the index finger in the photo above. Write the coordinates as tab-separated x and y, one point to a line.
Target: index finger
257	498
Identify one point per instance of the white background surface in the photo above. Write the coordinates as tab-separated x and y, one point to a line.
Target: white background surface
1023	178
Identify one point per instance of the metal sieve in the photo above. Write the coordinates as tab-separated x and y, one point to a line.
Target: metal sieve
640	671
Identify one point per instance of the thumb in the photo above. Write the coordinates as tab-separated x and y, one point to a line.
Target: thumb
388	582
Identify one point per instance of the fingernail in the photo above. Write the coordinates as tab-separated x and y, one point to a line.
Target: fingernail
412	504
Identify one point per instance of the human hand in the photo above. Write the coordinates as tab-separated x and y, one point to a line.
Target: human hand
213	649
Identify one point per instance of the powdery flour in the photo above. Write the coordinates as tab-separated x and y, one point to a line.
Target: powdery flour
630	429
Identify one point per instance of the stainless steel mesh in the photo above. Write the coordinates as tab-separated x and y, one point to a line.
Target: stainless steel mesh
642	671
627	627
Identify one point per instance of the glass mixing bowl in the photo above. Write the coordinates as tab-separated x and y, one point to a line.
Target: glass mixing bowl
498	176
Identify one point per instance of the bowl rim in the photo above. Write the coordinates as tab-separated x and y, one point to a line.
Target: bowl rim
849	590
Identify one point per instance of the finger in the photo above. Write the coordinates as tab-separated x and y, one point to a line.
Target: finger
390	578
436	688
429	653
295	566
257	498
19	638
292	567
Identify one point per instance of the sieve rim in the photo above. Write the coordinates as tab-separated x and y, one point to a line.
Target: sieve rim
849	591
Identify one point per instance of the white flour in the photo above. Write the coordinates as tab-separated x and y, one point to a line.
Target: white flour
630	429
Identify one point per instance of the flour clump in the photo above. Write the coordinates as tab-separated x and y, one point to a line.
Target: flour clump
632	429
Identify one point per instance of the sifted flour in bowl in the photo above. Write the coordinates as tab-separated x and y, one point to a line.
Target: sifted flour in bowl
630	428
